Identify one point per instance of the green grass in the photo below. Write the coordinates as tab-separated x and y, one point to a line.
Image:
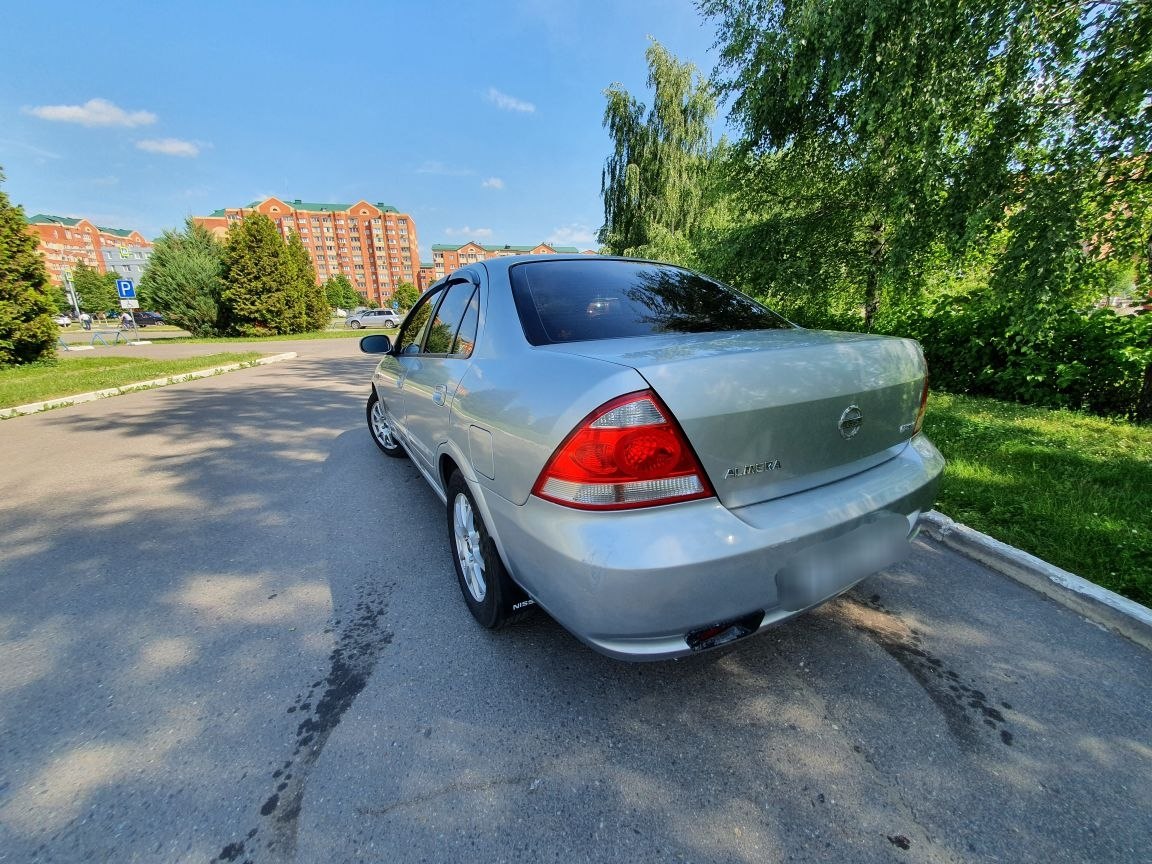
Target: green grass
69	376
1071	489
322	334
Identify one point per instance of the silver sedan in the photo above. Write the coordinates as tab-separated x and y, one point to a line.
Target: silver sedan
657	460
373	318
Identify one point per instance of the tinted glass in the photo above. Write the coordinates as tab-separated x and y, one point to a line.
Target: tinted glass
411	335
466	337
574	301
442	333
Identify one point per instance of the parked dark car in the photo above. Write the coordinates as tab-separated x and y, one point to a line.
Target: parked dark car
143	319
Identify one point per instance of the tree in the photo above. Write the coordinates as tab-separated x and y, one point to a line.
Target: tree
340	293
314	312
95	291
183	279
953	123
655	183
27	331
260	296
406	295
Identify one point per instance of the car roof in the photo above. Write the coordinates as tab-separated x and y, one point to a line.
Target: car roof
504	263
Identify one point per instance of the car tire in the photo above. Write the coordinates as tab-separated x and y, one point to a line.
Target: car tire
381	429
489	592
355	325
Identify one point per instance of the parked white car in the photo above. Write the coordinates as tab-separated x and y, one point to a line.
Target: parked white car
63	320
374	318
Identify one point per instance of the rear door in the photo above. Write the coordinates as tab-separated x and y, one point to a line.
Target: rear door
434	366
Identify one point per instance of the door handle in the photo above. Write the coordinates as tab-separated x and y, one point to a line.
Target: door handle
438	394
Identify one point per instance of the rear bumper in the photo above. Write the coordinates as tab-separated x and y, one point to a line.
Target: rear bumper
633	584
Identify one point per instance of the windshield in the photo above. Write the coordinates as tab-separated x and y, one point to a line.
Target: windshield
579	300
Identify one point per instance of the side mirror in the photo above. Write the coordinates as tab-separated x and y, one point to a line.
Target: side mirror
376	345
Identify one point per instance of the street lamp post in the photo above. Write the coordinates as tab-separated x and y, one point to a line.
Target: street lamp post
71	292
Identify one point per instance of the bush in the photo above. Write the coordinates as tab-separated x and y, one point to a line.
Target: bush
1053	357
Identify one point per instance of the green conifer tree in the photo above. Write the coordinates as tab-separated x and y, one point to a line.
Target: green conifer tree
314	312
27	331
183	279
260	280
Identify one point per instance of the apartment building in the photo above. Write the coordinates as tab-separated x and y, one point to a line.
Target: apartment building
65	242
446	258
374	245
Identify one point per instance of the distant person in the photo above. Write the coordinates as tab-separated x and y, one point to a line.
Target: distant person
125	321
86	320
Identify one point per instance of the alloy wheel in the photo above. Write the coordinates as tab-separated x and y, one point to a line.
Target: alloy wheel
468	550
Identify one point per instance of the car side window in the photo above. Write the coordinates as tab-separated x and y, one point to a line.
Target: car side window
466	336
412	335
446	321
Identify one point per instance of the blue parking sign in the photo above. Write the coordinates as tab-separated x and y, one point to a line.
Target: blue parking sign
125	289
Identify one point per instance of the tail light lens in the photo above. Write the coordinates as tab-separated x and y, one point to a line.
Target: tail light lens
629	452
923	406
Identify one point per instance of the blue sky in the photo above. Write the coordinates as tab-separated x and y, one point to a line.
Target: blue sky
481	120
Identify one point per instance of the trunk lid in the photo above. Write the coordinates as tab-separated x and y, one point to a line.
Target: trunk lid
772	412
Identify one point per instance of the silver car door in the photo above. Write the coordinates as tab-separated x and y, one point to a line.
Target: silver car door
409	344
436	371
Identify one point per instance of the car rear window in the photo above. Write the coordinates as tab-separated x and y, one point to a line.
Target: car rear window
576	301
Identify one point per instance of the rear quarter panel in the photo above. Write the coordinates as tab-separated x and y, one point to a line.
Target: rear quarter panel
523	401
528	405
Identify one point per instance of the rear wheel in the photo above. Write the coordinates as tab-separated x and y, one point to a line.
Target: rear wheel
381	428
491	595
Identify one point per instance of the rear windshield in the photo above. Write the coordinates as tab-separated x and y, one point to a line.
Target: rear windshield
575	301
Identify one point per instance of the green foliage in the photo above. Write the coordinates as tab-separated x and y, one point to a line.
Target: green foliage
655	184
978	344
27	331
952	123
406	295
340	293
312	300
262	293
183	280
95	291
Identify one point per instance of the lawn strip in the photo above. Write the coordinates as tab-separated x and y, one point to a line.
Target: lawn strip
1072	489
69	376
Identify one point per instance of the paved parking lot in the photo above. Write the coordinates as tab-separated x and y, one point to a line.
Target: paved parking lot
241	639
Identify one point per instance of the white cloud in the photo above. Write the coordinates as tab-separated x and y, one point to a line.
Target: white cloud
169	147
508	103
94	112
576	234
440	168
469	233
493	183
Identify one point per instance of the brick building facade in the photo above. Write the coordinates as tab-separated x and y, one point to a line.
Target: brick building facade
65	242
446	258
374	245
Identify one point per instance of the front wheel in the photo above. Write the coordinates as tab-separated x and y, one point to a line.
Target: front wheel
381	428
492	597
355	325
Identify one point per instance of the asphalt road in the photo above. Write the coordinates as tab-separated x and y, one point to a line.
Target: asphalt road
230	631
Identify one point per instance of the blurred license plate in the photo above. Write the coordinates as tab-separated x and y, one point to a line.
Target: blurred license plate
825	570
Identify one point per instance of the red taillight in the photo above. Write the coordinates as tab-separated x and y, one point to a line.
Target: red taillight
629	452
923	407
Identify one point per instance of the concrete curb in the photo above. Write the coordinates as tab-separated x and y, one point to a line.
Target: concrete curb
1097	604
37	407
